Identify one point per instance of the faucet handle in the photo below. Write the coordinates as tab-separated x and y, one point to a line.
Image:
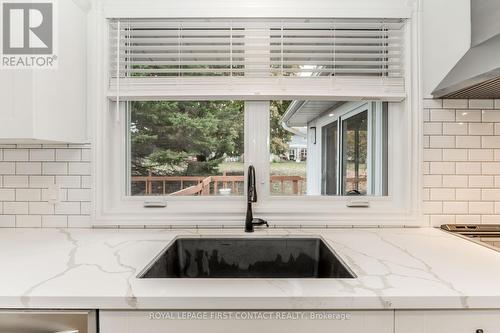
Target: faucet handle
258	221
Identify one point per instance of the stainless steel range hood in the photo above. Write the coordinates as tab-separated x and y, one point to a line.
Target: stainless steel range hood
477	74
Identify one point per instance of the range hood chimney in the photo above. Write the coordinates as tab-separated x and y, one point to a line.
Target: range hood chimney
477	74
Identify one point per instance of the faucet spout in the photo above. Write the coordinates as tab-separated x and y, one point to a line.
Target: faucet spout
250	222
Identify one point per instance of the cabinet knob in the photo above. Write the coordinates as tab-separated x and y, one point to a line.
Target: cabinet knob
479	331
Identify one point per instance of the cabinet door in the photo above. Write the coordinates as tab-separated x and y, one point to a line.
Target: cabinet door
242	322
453	321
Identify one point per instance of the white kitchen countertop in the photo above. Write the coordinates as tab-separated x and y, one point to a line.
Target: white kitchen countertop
396	268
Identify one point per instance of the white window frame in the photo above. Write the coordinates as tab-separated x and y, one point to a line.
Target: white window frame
112	207
340	114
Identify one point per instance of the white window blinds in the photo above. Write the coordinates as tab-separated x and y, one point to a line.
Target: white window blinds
152	54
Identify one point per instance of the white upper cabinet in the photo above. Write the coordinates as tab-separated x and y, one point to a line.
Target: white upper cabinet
49	104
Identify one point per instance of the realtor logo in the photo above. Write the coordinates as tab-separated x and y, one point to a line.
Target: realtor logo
28	34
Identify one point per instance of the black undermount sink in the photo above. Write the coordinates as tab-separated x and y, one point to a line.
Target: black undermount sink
247	258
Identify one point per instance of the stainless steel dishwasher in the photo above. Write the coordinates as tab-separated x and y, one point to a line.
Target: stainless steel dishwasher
53	321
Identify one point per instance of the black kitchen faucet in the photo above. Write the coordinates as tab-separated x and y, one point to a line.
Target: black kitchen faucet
250	222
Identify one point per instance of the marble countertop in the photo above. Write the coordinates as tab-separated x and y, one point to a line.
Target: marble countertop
412	268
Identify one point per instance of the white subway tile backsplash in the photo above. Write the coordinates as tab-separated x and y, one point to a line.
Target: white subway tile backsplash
41	181
468	168
442	168
7	221
462	155
431	207
481	129
481	181
67	208
481	155
86	182
442	115
41	208
481	104
427	115
85	208
28	168
455	155
442	194
468	194
81	221
426	142
491	168
15	208
16	155
78	194
42	155
468	116
433	103
55	168
7	168
52	221
433	155
490	142
437	220
490	219
15	181
454	128
433	129
442	142
28	194
69	181
7	194
455	181
63	194
483	207
28	145
455	207
468	219
491	116
468	142
433	181
25	176
486	195
68	155
79	168
28	221
455	103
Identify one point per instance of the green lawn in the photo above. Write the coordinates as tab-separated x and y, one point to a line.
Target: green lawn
277	168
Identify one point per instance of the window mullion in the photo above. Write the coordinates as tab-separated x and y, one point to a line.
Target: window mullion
257	143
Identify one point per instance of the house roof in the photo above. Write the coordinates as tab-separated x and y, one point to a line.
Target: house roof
300	113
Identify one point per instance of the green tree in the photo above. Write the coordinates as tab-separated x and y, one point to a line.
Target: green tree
280	137
193	137
184	138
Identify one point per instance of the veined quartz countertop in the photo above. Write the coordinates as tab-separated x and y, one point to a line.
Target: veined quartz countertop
412	268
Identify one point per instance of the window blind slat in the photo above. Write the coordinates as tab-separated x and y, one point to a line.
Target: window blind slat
250	47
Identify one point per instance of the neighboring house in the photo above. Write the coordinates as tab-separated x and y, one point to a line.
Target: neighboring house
297	148
345	142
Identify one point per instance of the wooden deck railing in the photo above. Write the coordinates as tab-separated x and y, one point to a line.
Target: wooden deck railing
207	185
